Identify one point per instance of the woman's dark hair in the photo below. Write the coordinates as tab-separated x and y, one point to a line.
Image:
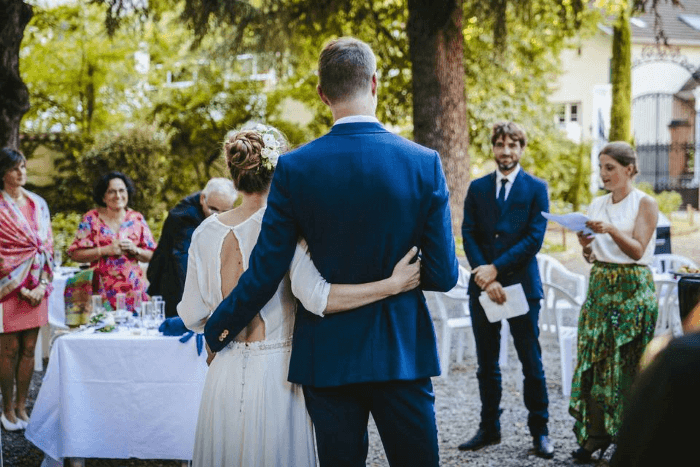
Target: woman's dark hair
243	154
9	159
98	193
622	153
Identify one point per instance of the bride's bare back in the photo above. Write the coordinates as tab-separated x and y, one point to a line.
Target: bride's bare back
232	269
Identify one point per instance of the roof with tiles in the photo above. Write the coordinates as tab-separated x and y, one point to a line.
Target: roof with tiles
681	25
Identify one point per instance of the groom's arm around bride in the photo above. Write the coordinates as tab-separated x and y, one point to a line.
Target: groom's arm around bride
361	197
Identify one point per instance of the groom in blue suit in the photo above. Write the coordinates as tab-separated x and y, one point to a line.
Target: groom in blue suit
361	197
502	231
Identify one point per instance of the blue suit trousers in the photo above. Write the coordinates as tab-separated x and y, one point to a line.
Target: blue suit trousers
403	411
525	332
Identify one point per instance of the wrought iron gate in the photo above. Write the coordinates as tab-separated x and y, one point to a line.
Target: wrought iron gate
664	137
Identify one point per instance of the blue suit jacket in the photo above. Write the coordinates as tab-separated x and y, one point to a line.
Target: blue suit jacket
361	197
510	239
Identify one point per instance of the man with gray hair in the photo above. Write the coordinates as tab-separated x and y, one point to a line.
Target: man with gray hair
168	267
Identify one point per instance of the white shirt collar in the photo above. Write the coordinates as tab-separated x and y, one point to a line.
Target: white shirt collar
511	176
356	119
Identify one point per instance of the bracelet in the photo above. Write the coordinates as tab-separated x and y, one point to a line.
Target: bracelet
44	282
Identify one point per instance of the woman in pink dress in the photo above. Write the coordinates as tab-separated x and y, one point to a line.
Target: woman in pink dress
26	257
113	239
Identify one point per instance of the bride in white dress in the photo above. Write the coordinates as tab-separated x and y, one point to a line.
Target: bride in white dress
250	415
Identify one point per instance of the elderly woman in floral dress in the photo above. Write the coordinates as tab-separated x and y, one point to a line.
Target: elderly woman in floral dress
113	239
26	256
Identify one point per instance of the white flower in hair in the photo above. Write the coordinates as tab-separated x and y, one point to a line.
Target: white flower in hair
271	155
269	140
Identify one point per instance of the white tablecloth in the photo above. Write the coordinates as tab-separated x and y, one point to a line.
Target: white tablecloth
118	396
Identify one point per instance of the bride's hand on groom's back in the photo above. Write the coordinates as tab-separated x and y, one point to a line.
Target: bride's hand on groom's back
406	274
210	354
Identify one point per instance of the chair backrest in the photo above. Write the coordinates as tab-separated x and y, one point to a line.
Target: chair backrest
669	313
553	272
666	262
559	308
453	303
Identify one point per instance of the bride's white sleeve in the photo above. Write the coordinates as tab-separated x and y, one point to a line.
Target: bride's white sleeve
192	308
307	283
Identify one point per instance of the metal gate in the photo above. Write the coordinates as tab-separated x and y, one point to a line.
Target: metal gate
664	137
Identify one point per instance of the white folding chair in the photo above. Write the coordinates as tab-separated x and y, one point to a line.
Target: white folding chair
559	315
553	272
451	309
667	262
440	306
669	312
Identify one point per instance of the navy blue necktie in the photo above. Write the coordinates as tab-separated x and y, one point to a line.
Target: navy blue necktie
502	194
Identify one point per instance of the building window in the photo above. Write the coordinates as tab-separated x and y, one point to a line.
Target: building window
569	112
561	114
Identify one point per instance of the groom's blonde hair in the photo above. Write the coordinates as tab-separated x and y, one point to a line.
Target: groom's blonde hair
345	67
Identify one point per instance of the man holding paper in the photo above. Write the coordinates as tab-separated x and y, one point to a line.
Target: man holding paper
503	230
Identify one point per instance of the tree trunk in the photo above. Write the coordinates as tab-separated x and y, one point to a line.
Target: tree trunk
14	96
436	47
621	111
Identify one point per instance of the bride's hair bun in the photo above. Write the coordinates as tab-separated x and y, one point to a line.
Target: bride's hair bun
250	160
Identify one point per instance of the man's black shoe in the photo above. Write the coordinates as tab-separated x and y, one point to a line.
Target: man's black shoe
480	440
543	446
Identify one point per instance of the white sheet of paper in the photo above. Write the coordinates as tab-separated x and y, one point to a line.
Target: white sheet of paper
515	304
573	221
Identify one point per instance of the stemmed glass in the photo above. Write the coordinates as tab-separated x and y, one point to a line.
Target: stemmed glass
96	305
159	315
57	259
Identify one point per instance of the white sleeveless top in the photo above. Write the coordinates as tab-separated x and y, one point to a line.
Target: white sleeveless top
202	293
622	215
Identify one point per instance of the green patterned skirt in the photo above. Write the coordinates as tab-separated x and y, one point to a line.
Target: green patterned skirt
616	323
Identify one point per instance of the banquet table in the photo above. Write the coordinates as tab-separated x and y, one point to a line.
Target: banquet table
118	395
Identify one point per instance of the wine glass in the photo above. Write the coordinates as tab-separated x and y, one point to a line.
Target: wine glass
96	301
57	258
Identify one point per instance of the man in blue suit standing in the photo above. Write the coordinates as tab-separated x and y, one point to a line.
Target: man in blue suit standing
360	196
503	230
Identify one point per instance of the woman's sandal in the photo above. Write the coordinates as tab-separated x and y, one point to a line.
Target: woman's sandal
595	443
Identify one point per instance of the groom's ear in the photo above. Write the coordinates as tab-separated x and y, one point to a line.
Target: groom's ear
374	84
323	97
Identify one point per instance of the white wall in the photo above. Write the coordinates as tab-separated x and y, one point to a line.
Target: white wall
581	72
591	67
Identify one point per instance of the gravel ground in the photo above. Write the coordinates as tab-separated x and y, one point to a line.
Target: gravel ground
457	406
457	402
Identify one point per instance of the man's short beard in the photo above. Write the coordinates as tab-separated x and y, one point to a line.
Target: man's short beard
504	167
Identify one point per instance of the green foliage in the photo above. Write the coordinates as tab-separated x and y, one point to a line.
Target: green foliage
142	155
98	90
668	201
621	110
552	246
64	225
155	223
79	79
